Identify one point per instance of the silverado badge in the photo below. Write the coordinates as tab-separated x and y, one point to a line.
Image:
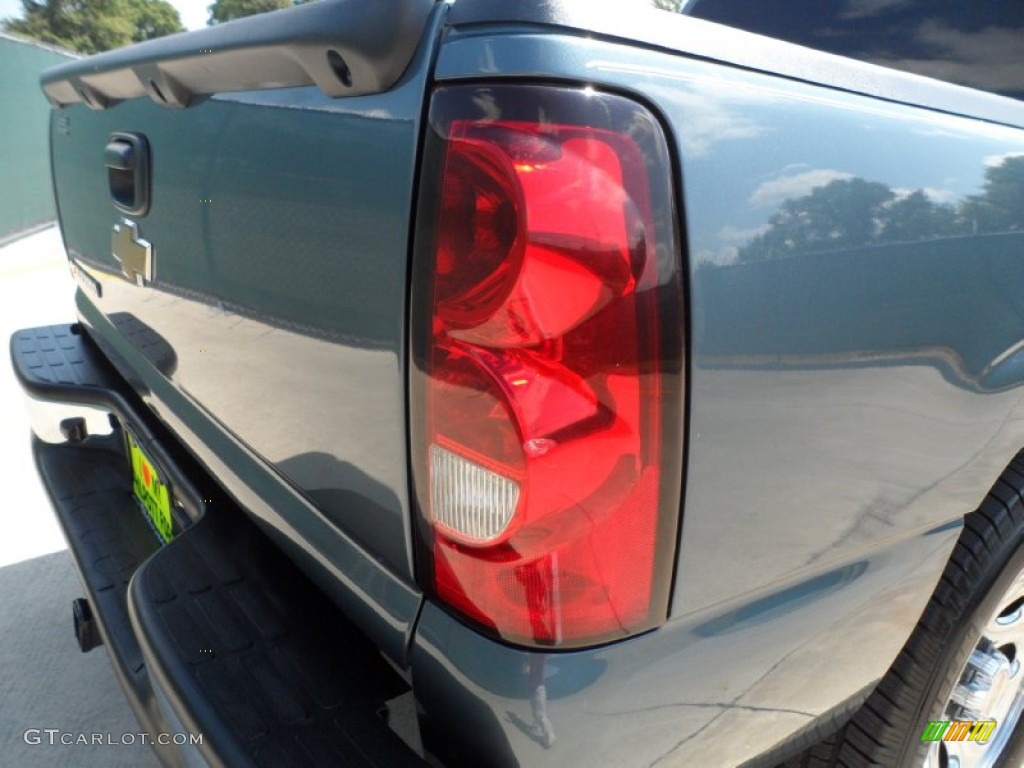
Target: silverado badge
134	254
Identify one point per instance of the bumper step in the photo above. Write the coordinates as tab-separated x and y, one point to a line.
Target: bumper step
216	633
259	660
90	490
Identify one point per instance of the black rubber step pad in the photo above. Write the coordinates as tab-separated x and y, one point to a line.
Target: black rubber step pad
266	664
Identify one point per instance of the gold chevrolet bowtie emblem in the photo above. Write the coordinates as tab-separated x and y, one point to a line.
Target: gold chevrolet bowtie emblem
134	254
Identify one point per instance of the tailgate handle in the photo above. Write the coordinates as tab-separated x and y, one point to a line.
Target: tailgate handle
127	160
120	155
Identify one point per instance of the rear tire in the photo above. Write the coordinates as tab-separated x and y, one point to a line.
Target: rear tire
976	607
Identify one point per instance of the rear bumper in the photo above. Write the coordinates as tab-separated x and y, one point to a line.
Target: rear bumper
224	648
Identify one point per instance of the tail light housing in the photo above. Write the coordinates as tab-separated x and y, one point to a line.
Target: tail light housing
546	380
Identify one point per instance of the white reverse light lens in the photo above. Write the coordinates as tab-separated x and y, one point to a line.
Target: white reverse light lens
468	500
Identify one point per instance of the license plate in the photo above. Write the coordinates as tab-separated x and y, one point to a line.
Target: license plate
150	490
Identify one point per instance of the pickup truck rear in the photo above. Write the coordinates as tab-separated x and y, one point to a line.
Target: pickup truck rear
544	384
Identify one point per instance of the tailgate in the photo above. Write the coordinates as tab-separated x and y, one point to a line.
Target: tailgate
240	237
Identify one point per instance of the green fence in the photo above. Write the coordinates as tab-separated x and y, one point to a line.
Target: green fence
26	199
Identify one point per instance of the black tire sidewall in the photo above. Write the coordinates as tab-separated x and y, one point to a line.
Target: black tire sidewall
993	581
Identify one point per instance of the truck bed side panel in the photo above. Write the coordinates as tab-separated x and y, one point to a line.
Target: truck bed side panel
849	403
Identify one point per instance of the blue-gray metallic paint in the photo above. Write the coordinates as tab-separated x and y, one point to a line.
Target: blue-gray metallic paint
273	337
847	407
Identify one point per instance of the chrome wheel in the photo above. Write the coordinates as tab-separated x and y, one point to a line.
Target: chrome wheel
989	688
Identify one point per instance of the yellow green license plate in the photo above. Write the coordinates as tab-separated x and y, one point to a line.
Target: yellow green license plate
150	490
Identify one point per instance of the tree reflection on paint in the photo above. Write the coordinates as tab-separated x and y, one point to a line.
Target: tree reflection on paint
853	213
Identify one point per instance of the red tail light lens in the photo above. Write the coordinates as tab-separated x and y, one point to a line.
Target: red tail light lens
546	379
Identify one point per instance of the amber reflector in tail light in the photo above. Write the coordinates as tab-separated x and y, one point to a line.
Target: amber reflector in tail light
546	379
